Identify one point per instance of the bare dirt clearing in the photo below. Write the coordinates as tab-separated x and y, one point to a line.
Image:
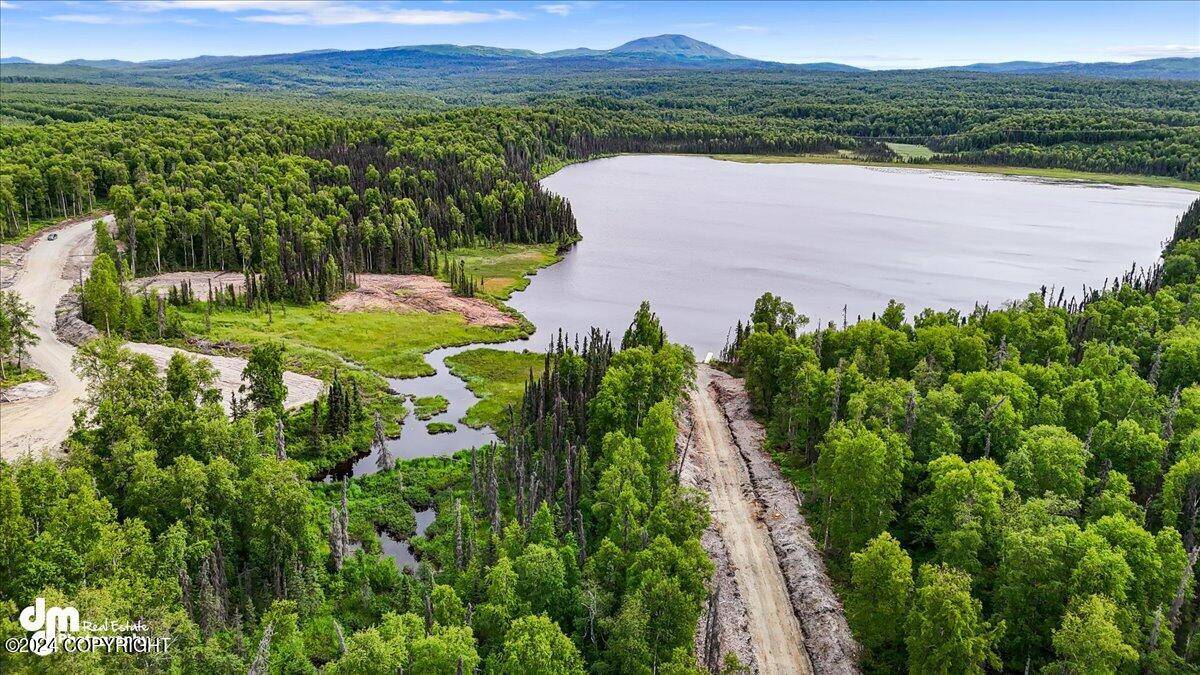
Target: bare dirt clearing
301	389
776	638
414	292
45	275
47	271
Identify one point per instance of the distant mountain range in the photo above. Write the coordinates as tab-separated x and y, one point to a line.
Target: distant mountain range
399	66
1174	68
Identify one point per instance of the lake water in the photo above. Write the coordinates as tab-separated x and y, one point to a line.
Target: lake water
702	238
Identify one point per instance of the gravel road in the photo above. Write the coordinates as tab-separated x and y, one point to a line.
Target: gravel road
40	425
776	637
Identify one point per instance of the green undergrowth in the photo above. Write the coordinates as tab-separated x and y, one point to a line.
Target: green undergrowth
13	376
440	428
425	407
505	268
389	343
498	378
388	500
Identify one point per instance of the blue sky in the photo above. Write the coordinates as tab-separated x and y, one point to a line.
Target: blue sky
867	34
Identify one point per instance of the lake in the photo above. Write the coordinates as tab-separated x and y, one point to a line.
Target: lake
702	238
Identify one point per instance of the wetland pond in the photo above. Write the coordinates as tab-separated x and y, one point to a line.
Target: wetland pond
702	238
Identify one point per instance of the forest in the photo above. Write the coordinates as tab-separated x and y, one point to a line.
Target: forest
571	543
1014	488
1021	478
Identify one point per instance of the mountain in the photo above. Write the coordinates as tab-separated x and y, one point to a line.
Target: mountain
14	59
578	51
428	67
443	67
107	64
672	46
1174	68
830	67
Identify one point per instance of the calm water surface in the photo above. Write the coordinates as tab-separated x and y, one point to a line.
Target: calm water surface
702	238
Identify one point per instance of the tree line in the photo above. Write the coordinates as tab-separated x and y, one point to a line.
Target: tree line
1010	489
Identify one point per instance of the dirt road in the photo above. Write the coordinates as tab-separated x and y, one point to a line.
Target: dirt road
47	274
40	425
776	637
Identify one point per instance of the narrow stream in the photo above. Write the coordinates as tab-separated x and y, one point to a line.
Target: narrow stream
414	440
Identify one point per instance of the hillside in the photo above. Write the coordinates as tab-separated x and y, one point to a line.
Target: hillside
435	66
1175	68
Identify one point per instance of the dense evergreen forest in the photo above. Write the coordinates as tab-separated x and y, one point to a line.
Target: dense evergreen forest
1015	488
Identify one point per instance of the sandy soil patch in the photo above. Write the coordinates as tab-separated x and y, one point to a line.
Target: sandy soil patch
777	640
414	292
48	268
26	391
301	389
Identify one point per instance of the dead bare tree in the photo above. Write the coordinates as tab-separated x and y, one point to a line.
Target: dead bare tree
712	642
262	658
280	441
379	445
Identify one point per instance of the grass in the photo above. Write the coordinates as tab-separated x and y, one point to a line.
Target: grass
391	344
1054	174
909	151
498	378
426	407
13	377
505	267
552	165
440	428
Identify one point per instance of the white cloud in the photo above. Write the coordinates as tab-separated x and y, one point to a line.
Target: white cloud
227	5
4	4
346	15
1153	51
323	12
745	28
96	19
557	9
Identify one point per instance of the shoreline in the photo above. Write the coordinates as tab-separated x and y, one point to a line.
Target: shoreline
1054	174
1049	174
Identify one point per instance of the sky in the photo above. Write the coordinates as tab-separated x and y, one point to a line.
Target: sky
866	34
